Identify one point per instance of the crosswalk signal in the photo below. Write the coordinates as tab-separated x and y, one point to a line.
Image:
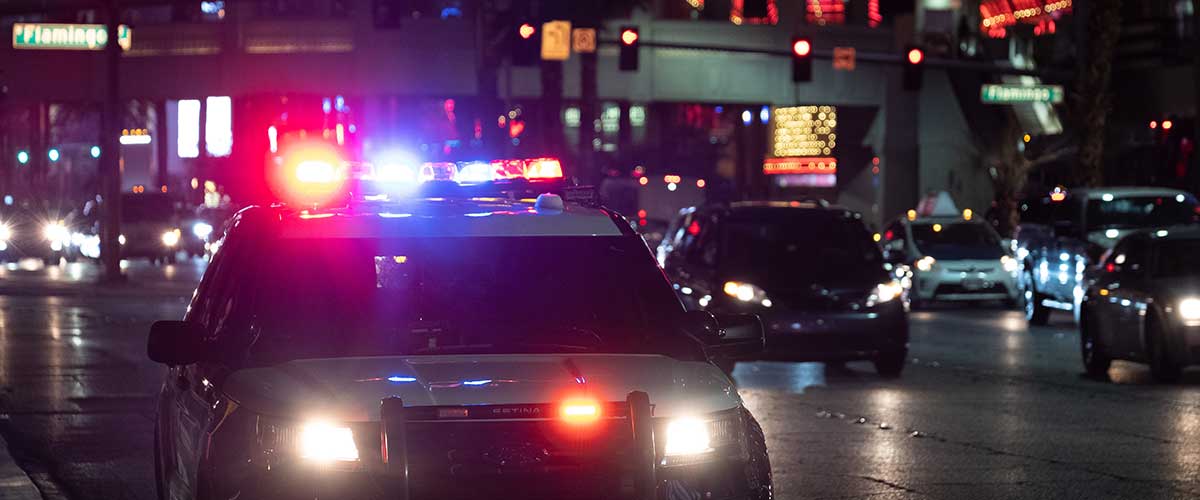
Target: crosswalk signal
527	45
801	60
630	42
914	62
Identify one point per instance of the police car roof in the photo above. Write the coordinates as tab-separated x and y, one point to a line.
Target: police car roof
451	217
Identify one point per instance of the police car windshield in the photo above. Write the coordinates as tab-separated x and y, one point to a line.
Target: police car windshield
1140	211
794	249
957	240
1177	258
364	297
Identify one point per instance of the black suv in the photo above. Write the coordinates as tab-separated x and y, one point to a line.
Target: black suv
809	270
1064	233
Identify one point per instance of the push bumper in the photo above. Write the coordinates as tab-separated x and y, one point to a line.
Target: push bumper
835	335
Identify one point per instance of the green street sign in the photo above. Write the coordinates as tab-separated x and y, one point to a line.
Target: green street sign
42	36
1008	94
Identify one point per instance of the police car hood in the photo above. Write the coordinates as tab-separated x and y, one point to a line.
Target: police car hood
350	389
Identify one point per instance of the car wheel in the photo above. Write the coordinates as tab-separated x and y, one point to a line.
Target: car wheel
1035	312
1162	368
890	363
1096	359
758	467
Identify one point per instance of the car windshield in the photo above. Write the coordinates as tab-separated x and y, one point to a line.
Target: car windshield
1140	211
146	208
957	240
338	298
794	249
1177	258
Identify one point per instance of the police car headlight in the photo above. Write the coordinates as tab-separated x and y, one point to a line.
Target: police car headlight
925	264
5	232
746	292
171	238
1189	309
324	442
56	232
687	436
1009	264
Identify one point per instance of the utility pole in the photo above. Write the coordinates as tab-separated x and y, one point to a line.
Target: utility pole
110	154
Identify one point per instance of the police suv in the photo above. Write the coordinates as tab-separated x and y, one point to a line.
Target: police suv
460	331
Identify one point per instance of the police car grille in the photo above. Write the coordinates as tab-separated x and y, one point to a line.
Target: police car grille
531	459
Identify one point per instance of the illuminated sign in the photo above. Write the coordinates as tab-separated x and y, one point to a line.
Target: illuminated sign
800	166
1006	94
556	40
40	36
804	131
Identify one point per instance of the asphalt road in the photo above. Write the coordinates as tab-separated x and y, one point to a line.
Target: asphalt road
986	409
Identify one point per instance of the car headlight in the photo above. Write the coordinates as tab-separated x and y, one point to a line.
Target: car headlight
746	292
925	263
884	292
171	238
56	231
202	230
324	442
1189	309
5	232
687	436
1009	264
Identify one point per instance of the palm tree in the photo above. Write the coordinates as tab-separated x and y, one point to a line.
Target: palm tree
1093	98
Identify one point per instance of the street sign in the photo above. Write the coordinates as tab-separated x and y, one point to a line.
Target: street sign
583	40
1008	94
556	40
844	58
41	36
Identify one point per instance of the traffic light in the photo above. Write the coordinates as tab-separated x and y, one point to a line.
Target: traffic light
630	42
527	45
801	59
914	62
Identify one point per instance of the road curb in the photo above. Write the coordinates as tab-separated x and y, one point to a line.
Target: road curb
15	484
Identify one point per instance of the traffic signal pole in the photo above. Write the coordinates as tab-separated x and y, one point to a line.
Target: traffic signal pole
110	154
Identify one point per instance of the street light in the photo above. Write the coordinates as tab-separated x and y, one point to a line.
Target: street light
53	154
95	151
22	157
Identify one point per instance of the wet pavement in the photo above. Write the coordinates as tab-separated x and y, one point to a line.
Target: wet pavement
986	409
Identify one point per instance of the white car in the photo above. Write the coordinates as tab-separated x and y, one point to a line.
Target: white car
449	346
952	259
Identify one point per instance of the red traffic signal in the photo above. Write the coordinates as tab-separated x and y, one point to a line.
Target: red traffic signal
914	67
630	41
629	36
1167	124
802	47
526	30
916	56
801	59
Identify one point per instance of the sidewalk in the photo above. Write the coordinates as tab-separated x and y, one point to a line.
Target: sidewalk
14	483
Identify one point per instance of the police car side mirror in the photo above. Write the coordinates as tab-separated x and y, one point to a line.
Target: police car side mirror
175	343
740	336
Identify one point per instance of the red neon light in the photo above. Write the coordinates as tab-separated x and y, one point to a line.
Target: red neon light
800	165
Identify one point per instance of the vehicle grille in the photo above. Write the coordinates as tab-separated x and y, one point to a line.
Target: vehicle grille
957	289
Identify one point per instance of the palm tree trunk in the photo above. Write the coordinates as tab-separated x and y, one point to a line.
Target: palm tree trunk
1092	95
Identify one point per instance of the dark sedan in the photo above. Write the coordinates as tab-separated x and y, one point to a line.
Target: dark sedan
809	270
1143	304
